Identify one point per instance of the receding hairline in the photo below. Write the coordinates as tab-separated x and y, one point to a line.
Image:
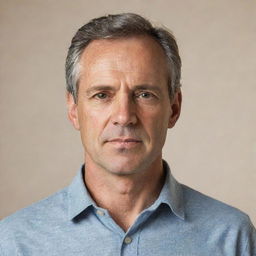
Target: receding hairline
141	37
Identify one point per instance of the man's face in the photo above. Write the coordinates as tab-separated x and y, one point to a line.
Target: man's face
123	109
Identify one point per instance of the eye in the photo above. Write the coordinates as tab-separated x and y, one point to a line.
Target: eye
100	96
145	95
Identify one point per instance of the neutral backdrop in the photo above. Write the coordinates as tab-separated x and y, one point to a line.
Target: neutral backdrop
213	146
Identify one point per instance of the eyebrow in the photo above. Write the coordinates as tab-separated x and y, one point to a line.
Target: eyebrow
99	88
111	88
147	87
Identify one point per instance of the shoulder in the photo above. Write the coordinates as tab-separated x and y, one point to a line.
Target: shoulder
220	223
34	217
203	206
215	216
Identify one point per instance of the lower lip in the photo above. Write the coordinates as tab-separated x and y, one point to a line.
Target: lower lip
124	144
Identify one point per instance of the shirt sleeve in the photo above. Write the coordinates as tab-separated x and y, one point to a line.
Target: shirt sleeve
250	249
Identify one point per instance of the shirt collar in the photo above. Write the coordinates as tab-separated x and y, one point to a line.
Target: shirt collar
171	194
79	198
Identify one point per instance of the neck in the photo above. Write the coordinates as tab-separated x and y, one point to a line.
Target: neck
127	195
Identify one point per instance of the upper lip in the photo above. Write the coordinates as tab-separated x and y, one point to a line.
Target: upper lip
127	139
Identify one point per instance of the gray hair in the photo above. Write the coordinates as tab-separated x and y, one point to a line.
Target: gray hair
119	26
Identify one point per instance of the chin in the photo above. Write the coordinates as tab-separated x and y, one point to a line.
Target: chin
124	168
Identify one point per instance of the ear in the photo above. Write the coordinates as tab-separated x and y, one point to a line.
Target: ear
72	111
175	108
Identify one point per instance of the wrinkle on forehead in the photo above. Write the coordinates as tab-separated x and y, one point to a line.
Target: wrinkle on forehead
133	54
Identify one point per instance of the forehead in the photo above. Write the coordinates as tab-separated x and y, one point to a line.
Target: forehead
140	54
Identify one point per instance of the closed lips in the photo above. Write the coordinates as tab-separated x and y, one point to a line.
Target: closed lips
124	140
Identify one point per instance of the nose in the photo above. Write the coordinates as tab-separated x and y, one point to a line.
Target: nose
124	111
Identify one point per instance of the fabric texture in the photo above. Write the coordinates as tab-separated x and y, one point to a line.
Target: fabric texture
181	222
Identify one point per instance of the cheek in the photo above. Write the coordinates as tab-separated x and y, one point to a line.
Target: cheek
91	121
156	123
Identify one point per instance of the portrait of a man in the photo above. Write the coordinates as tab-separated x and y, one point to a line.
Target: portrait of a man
123	95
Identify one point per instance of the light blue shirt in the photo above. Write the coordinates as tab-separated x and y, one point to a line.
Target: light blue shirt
181	222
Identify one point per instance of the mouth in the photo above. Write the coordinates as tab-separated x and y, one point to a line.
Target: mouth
126	143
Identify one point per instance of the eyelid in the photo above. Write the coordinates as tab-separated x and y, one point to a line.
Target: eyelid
147	92
107	95
99	92
137	94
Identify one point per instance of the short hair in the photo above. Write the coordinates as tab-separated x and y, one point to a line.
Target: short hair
121	26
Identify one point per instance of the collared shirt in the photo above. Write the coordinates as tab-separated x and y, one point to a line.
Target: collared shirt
181	222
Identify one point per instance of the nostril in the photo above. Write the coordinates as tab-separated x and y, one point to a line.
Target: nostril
124	120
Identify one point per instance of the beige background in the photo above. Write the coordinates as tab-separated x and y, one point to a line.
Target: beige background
213	146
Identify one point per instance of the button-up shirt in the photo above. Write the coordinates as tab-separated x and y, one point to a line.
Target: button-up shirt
181	222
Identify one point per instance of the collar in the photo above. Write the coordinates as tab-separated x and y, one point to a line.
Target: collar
79	199
171	194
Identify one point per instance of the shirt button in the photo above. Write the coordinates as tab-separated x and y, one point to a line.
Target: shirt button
100	213
128	240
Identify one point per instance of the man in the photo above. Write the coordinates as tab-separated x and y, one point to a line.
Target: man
123	83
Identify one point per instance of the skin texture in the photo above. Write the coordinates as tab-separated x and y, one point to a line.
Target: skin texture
123	113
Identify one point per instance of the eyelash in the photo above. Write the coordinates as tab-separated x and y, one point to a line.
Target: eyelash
97	95
147	95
